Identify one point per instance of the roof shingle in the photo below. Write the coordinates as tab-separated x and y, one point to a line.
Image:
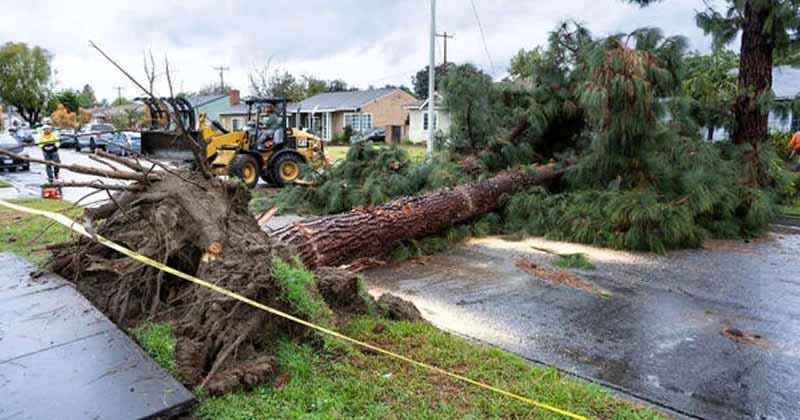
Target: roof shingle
339	101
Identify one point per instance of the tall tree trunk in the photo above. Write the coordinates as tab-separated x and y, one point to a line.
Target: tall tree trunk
755	76
372	231
710	135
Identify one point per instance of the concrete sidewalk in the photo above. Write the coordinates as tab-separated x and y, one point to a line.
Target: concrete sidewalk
61	358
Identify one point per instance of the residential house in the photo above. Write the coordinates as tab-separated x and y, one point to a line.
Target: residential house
213	105
101	114
234	116
418	120
329	113
786	87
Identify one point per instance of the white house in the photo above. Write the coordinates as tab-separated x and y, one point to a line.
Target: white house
418	120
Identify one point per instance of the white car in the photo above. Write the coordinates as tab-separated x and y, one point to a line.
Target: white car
94	136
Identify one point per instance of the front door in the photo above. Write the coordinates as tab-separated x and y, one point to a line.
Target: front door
396	133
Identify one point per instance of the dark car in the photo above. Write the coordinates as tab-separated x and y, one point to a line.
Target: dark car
124	143
371	135
67	138
8	142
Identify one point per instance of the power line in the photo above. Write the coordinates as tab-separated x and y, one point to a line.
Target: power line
483	36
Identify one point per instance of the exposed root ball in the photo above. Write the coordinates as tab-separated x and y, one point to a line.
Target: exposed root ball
202	228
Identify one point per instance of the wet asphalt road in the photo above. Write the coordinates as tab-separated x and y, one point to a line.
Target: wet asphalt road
27	184
656	335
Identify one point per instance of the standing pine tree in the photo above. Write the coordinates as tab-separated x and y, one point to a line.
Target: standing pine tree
632	78
769	29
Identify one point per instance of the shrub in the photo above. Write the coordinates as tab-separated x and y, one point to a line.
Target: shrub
780	140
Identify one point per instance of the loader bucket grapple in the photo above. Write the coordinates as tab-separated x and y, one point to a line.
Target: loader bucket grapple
162	138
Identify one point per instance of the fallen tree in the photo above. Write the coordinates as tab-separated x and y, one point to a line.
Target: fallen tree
371	231
202	226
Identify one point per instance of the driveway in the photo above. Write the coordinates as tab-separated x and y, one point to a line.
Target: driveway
712	333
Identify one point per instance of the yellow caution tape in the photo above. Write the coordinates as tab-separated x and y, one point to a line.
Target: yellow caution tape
71	224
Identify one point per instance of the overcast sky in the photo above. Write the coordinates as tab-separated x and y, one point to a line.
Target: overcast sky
364	42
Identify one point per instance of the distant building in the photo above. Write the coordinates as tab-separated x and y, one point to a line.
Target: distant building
418	120
329	113
101	114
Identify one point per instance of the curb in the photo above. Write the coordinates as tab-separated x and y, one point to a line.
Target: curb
788	220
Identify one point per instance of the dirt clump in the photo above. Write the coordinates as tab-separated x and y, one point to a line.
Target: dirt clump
398	309
343	290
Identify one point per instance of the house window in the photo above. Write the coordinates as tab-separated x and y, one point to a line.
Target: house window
425	120
795	125
358	121
236	124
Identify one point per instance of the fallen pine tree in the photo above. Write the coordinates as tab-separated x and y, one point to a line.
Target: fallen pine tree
202	226
373	230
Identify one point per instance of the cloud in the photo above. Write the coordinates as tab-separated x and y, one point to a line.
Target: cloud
364	42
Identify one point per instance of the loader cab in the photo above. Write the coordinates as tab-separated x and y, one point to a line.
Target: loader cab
267	130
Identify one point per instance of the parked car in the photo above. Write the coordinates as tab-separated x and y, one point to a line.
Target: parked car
123	143
8	142
374	134
94	136
67	138
25	135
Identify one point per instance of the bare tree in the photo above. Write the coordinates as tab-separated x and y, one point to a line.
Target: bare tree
150	69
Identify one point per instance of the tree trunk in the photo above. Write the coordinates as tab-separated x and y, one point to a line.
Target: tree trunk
755	77
372	231
711	128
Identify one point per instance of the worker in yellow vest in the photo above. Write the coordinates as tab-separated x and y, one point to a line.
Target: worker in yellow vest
49	142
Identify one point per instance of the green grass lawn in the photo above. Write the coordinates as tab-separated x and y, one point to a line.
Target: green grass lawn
792	210
312	384
416	153
22	233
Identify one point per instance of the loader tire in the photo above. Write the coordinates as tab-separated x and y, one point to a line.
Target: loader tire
285	169
245	167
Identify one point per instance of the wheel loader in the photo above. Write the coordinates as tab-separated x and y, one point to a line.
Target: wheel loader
270	153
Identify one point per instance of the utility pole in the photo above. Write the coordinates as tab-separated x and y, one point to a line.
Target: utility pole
119	92
432	80
221	80
445	36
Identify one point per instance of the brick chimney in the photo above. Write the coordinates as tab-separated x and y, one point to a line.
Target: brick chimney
233	97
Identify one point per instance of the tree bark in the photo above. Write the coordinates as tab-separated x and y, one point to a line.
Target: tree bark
755	77
372	231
